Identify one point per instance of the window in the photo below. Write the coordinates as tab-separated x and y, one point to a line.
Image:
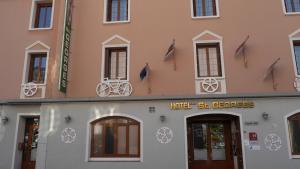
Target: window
116	63
297	55
41	14
208	60
116	10
37	68
204	8
294	133
292	6
115	137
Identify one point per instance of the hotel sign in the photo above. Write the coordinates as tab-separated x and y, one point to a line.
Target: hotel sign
212	105
63	78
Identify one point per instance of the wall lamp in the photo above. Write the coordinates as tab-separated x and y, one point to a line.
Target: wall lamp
68	119
162	118
4	119
265	116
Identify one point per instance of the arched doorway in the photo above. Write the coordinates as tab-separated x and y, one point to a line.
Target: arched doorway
214	142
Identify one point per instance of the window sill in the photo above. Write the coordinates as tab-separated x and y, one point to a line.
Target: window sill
38	84
295	157
116	22
205	17
114	159
40	29
291	13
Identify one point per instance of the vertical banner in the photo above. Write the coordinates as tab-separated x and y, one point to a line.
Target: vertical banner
65	51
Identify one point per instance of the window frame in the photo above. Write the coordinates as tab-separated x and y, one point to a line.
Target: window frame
89	158
33	15
205	17
105	12
107	60
30	67
292	41
288	136
104	47
221	57
285	10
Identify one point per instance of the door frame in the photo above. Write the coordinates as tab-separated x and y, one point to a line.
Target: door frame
19	116
213	113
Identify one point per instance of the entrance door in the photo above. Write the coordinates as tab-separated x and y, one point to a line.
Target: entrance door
30	143
210	144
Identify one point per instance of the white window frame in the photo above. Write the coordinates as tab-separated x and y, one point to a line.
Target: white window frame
205	17
115	22
286	121
292	39
106	45
88	158
285	10
33	15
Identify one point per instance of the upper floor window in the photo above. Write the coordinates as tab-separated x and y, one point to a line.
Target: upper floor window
297	55
208	60
116	10
294	133
115	137
41	14
115	63
37	68
203	8
292	6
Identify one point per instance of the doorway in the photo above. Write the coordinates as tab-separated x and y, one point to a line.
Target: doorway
214	142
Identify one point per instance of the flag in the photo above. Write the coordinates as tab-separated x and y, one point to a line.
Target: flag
171	51
145	72
271	68
241	48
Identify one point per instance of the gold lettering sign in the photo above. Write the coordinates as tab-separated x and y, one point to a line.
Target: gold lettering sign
212	105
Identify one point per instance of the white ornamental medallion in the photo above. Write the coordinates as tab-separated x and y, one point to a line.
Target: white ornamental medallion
164	135
273	142
210	84
30	89
68	135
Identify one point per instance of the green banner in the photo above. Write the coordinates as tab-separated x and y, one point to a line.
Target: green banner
63	79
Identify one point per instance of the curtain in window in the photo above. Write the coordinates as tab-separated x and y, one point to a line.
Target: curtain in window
297	57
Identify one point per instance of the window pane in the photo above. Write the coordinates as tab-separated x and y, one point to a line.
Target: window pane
114	10
202	62
109	140
113	65
297	55
121	139
209	8
98	145
198	7
217	141
133	139
35	69
213	62
295	135
296	5
41	18
200	141
48	16
122	65
123	10
43	69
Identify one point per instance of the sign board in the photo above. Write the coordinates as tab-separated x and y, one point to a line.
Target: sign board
63	78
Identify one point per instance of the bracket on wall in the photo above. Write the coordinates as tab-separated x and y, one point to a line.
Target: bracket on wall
271	73
241	51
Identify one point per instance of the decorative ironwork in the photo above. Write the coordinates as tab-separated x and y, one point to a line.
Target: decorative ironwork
210	84
30	89
164	135
68	135
119	87
273	142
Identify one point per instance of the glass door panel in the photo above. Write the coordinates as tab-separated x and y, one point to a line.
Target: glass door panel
200	141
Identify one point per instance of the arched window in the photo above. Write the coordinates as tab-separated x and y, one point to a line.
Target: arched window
115	137
294	133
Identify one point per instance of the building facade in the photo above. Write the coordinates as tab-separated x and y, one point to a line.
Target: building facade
184	84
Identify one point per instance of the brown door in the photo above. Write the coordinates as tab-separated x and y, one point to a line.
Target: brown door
210	145
30	143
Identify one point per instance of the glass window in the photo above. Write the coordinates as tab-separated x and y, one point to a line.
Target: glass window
292	5
43	15
297	55
115	137
116	63
37	68
117	10
208	60
294	133
204	8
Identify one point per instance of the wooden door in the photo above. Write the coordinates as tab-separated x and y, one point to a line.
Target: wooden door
210	145
30	143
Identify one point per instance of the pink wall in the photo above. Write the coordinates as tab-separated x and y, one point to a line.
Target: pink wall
152	27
